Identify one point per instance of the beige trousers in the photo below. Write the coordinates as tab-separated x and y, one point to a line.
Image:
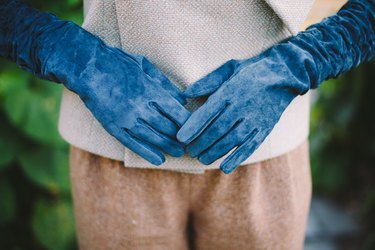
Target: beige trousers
258	206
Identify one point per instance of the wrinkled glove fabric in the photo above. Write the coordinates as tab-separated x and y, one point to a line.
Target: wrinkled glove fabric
128	95
247	97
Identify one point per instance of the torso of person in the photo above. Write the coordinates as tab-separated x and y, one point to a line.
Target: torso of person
187	40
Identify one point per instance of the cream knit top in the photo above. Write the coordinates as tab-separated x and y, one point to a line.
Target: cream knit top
187	39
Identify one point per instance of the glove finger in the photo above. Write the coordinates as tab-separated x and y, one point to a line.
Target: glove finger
172	109
211	82
221	147
200	120
155	73
146	151
213	133
164	143
247	147
162	124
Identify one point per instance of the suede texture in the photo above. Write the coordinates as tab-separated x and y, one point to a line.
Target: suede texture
133	100
247	97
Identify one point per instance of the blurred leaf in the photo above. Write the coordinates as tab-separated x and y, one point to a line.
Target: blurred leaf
67	10
34	109
76	16
9	142
47	167
53	223
72	3
328	88
7	150
7	201
12	78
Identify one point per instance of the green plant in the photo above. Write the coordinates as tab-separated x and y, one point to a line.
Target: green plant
35	206
342	143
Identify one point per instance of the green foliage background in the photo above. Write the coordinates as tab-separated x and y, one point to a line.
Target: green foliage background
35	200
342	146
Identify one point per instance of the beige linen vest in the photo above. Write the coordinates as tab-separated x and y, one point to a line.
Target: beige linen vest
187	39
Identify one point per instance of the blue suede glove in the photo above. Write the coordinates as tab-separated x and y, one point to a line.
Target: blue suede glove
129	96
247	97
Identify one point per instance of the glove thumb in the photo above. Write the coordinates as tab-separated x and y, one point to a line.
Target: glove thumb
211	82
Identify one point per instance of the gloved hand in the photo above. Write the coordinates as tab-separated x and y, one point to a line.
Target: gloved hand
247	97
129	96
